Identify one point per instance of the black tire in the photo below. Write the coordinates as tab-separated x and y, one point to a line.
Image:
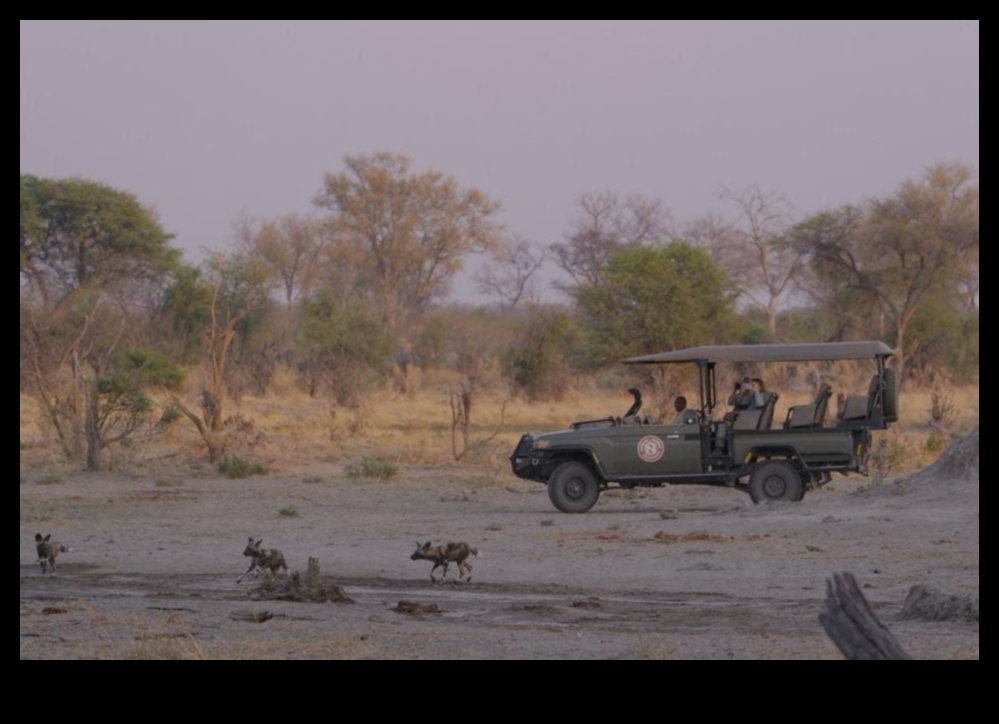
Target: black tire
573	488
776	481
889	403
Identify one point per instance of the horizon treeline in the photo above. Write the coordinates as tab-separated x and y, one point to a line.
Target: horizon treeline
357	292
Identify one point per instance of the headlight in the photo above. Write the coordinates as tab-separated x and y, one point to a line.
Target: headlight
540	445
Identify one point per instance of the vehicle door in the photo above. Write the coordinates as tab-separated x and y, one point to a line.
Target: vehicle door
655	450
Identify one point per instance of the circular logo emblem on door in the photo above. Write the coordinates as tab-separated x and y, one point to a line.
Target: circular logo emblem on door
651	449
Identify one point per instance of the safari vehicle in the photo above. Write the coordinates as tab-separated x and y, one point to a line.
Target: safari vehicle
743	449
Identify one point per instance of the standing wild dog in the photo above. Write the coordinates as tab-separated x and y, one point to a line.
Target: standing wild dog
48	549
443	556
269	560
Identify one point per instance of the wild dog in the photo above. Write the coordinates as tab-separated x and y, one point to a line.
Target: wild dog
269	560
443	556
48	549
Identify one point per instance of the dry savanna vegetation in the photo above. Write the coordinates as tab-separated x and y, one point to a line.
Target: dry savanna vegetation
288	432
311	386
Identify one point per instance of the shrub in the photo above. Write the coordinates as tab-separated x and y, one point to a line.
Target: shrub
235	467
153	369
373	468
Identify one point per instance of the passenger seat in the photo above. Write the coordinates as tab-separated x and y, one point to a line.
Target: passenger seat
811	415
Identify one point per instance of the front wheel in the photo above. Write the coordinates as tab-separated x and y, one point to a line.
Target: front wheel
573	488
776	481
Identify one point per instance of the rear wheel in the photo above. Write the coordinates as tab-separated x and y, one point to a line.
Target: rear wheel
776	481
573	488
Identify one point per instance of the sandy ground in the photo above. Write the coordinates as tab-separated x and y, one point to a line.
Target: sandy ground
673	573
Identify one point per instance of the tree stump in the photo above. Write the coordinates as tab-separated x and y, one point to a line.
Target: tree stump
853	627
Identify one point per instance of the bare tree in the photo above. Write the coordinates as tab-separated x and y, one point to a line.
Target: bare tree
606	222
290	245
711	232
512	274
88	399
753	254
239	288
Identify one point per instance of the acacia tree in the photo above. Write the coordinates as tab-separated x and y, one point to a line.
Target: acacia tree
408	232
90	255
901	250
77	233
607	222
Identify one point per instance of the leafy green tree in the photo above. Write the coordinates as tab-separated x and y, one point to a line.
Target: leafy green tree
78	233
539	363
651	299
342	349
91	257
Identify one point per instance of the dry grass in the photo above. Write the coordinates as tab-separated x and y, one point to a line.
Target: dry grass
302	435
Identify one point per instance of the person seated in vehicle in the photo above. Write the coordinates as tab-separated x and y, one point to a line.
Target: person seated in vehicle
743	397
685	415
759	400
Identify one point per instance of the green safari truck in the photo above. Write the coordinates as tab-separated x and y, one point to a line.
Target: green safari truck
743	448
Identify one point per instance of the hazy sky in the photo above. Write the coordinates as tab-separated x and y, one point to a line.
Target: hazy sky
210	120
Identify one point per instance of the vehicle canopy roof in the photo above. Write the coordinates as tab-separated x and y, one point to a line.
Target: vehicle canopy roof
816	351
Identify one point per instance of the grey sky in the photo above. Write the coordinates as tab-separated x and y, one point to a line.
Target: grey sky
210	120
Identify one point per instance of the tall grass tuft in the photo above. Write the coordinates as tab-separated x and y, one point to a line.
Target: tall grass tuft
235	467
373	468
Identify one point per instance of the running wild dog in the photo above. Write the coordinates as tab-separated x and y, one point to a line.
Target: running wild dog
269	560
48	549
443	556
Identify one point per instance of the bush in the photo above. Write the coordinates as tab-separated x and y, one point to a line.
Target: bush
235	467
373	468
934	444
152	368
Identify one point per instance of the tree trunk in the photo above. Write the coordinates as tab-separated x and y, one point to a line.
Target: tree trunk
93	432
900	351
772	318
216	447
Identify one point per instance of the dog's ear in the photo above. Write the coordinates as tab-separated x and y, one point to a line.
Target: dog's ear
47	537
250	542
38	537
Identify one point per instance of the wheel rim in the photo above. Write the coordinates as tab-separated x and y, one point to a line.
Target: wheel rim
774	486
575	488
